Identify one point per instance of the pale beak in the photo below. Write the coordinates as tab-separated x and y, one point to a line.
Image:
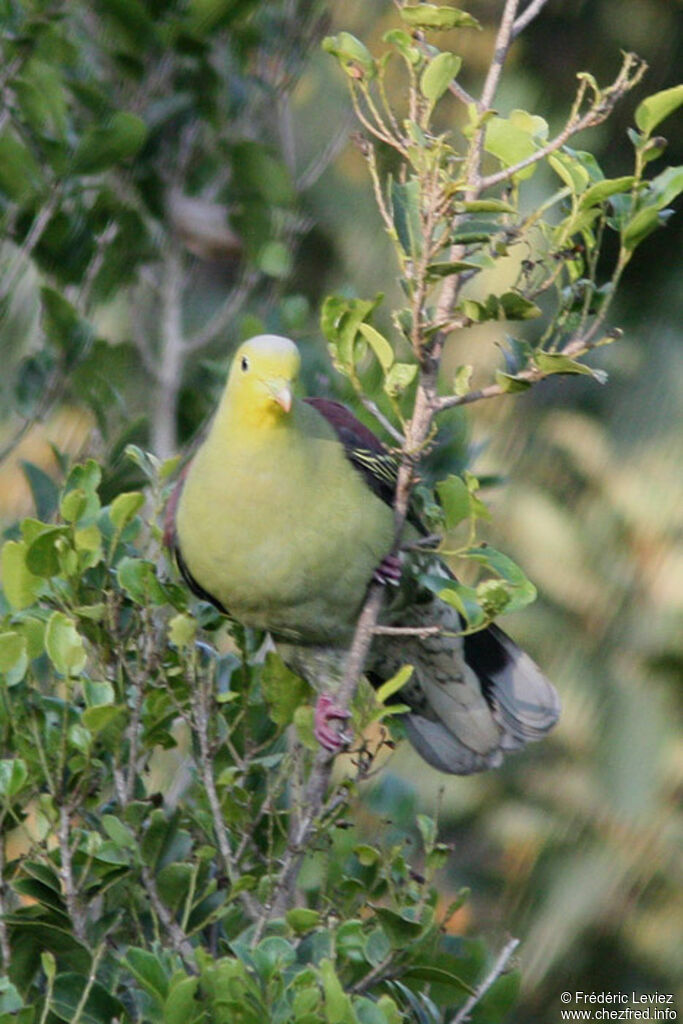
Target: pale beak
282	394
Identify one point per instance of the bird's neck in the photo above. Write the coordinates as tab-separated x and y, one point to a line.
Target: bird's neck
249	423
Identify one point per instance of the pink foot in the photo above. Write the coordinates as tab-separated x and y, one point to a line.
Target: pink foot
327	735
388	572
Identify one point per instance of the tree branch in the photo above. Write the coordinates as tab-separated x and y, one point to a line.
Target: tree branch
498	968
527	16
598	113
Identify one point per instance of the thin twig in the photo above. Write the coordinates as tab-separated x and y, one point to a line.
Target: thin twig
92	977
498	968
202	697
420	631
372	408
598	113
227	311
527	16
66	874
4	938
179	939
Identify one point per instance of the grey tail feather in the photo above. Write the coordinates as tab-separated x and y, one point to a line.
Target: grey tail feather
524	703
444	751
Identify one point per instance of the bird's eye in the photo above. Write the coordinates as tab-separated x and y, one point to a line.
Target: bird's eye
244	364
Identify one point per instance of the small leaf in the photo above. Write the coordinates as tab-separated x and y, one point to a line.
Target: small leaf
182	630
511	384
604	189
431	16
283	690
462	379
516	307
438	75
107	144
455	500
302	919
653	109
399	377
64	645
487	206
13	776
556	362
20	585
379	344
350	52
393	685
124	507
400	930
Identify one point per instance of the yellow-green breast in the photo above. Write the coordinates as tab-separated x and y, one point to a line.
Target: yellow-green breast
278	526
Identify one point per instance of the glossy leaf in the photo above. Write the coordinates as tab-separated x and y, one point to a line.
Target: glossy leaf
653	109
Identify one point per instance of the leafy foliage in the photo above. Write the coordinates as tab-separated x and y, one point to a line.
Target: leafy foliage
152	866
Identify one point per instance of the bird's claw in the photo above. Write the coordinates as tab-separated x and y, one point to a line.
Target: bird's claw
327	734
388	572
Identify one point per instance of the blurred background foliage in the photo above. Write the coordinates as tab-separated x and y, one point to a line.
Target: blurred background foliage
239	204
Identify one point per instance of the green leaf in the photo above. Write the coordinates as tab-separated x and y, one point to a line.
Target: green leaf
100	1006
64	645
283	690
393	685
459	596
556	362
20	176
379	344
653	109
511	384
400	930
275	260
438	75
258	172
437	976
302	919
43	488
124	507
521	590
514	138
11	1003
350	52
462	379
399	377
338	1009
13	776
181	1006
405	205
42	556
107	144
404	44
65	326
182	630
431	16
455	499
20	585
666	186
12	651
641	225
97	694
516	307
447	267
570	170
604	189
487	206
138	578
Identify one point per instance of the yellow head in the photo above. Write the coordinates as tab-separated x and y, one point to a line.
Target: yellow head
262	375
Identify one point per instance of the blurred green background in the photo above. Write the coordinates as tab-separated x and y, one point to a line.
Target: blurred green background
576	846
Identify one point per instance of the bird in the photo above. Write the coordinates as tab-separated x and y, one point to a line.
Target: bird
283	518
